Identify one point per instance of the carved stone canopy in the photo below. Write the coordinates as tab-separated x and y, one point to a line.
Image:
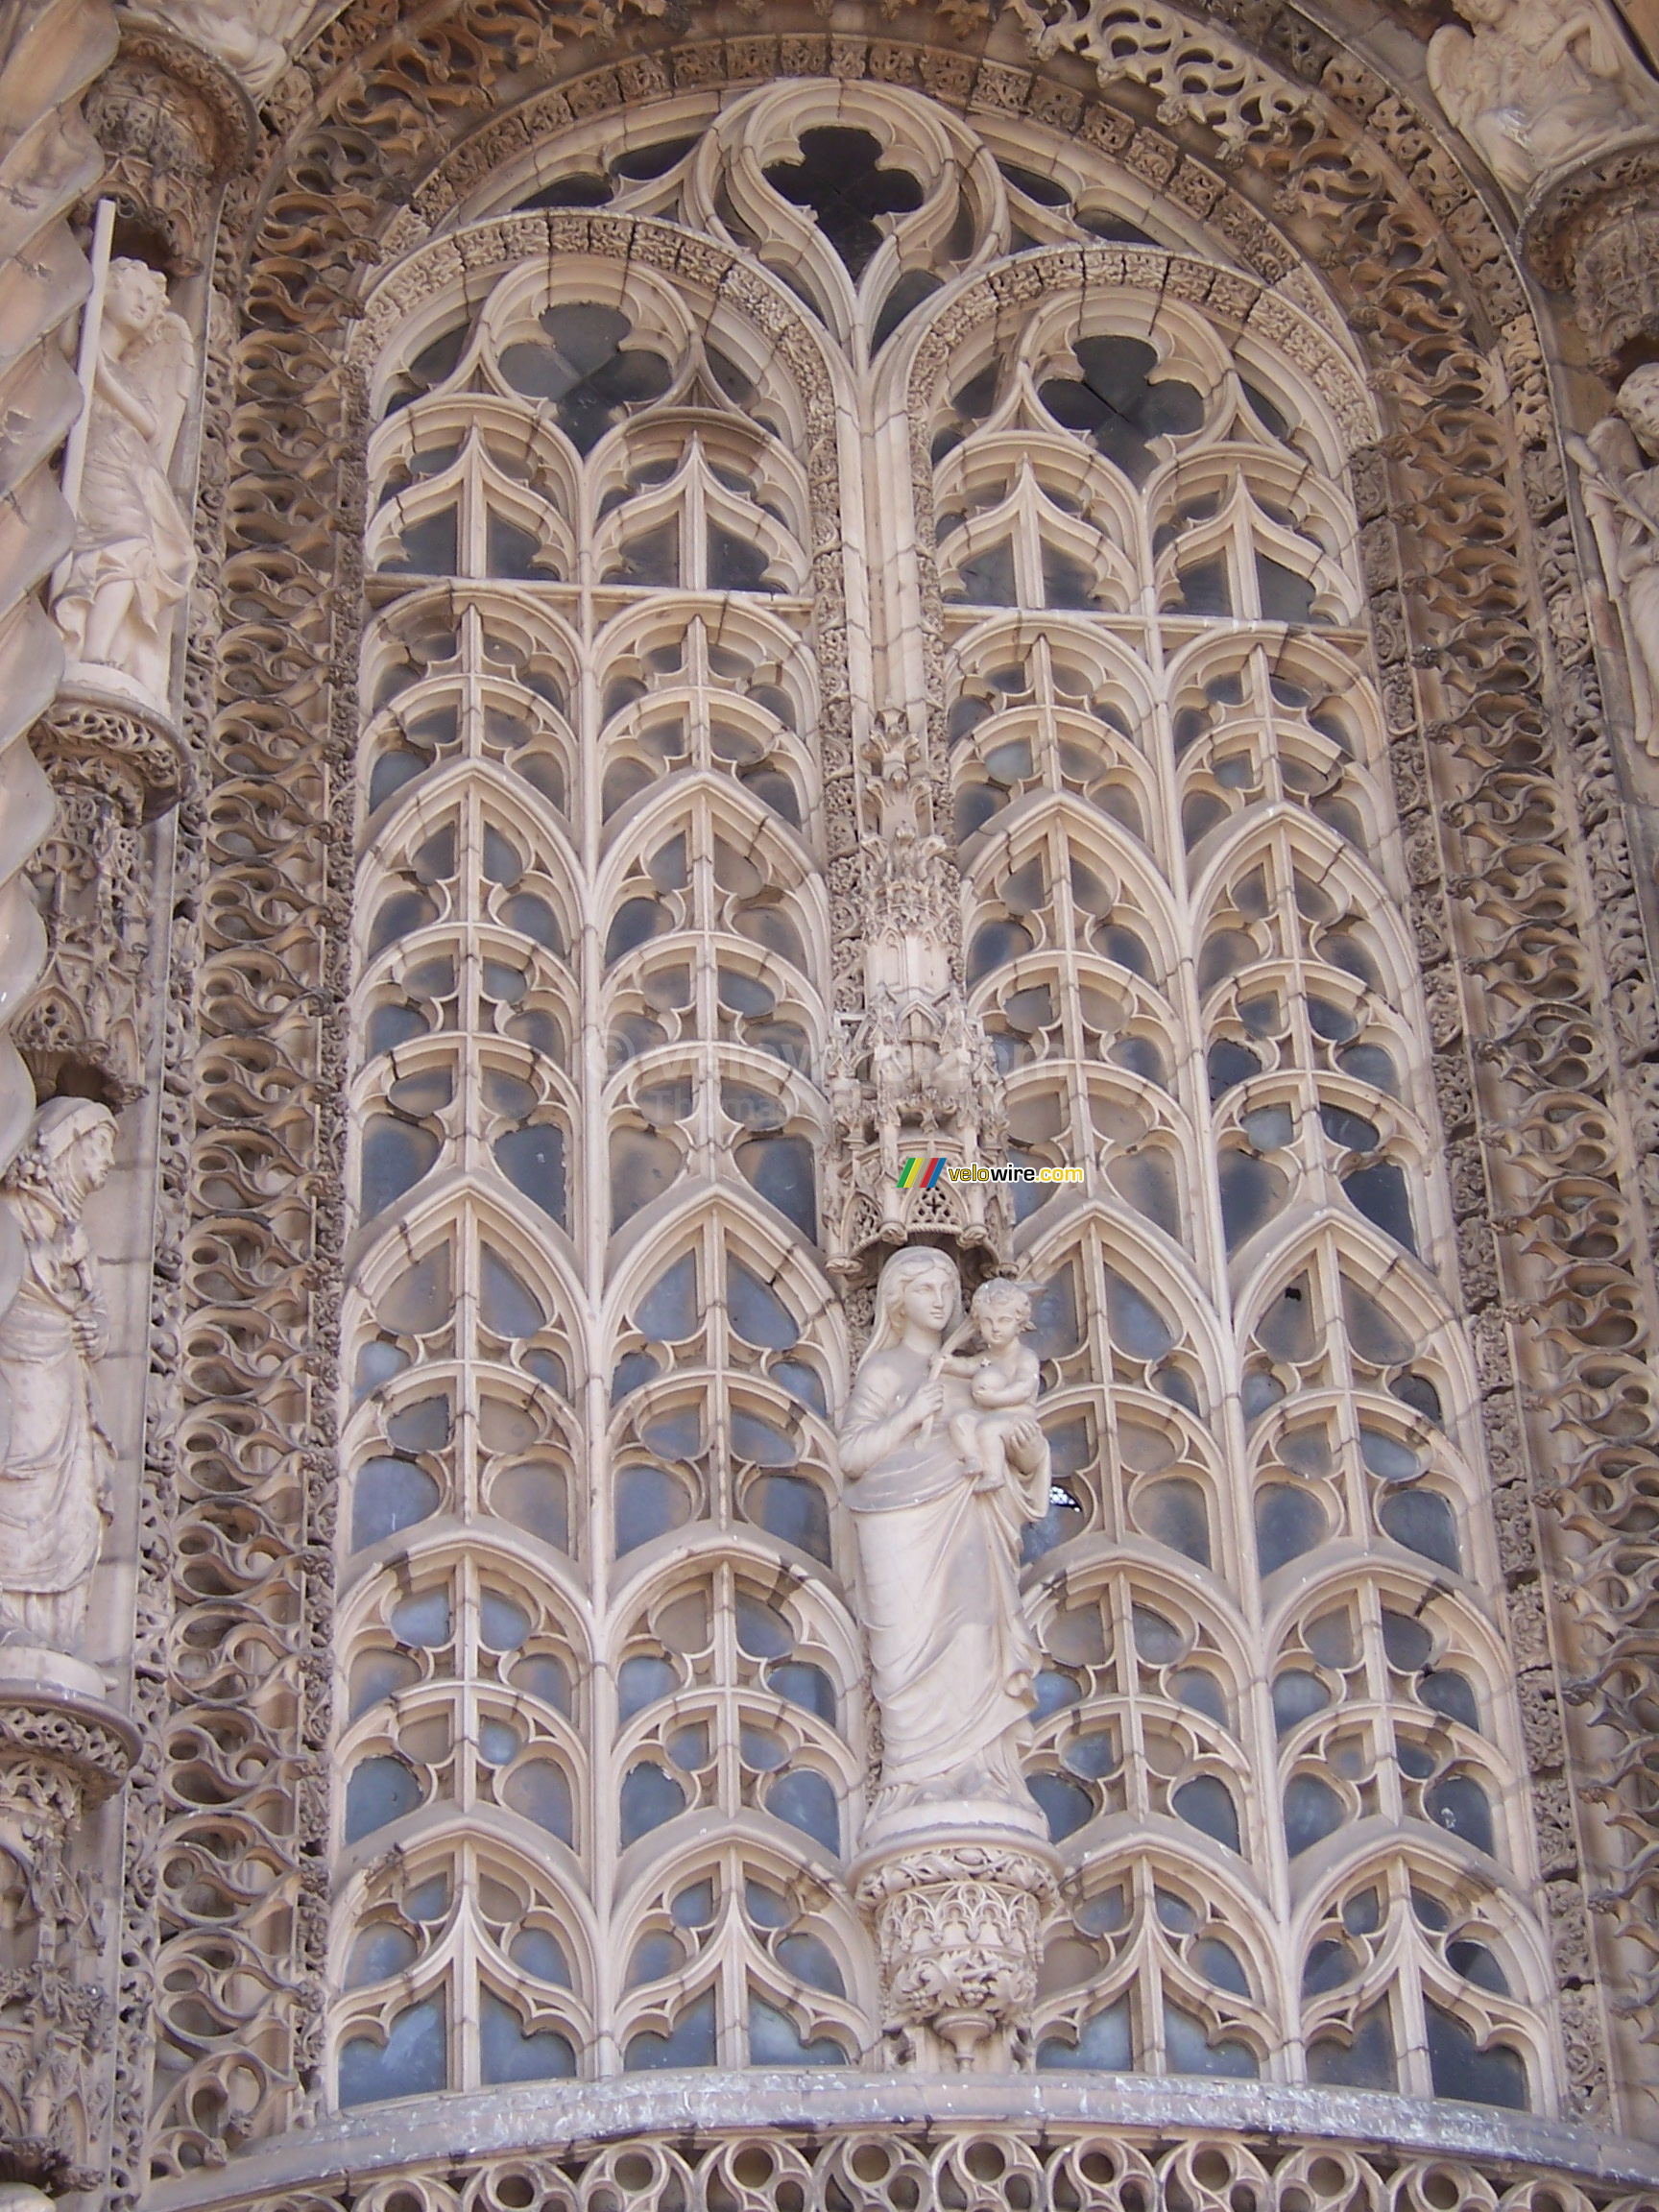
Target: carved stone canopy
1596	230
174	126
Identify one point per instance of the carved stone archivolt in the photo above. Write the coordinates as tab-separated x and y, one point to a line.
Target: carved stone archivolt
1592	229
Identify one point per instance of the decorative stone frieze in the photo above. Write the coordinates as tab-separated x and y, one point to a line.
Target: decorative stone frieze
174	126
63	1752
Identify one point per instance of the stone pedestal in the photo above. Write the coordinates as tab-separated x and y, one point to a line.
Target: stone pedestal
63	1753
959	1906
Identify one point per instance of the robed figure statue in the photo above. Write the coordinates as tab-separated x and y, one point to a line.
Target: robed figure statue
944	1464
55	1455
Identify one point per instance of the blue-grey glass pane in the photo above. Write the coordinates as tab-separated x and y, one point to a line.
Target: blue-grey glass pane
1103	2047
649	1502
650	1795
1313	1811
774	2042
380	1791
539	1792
1423	1523
1288	1523
1190	2051
1366	2063
389	1495
1067	1806
691	2042
668	1310
1205	1803
413	2062
1459	1805
506	2054
806	1801
793	1510
540	1953
533	1159
509	1307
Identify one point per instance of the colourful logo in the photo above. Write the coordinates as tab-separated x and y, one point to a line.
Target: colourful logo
920	1175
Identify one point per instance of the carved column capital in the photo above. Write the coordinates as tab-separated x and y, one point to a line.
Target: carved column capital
63	1752
175	126
1595	230
959	1928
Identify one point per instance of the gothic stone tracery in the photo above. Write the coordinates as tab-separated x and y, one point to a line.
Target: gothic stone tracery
1467	652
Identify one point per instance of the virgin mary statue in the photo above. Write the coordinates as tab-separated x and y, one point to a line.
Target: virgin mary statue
952	1657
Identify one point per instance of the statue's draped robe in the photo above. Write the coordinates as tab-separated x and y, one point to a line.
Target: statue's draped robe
953	1658
55	1461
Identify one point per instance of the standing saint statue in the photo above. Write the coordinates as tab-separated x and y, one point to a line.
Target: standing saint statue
952	1656
1621	494
54	1456
133	557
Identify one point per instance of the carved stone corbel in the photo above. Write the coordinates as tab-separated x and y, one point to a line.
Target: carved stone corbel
63	1752
114	769
959	1932
175	126
1594	230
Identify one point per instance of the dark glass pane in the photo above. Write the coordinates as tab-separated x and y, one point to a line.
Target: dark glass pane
413	2061
1460	2070
389	1495
507	2053
841	176
1366	2063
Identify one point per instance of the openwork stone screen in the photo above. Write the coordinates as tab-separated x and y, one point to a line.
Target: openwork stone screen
643	513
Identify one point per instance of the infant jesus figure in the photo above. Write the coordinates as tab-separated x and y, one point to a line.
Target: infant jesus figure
1003	1381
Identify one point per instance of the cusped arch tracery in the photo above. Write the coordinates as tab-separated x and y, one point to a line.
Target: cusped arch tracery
1197	1095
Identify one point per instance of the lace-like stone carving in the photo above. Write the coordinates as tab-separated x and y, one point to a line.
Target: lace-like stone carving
1388	301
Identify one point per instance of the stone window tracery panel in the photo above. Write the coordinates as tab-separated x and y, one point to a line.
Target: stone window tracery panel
1184	926
587	1332
593	560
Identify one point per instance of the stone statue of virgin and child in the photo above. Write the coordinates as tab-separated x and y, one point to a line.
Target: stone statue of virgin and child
944	1464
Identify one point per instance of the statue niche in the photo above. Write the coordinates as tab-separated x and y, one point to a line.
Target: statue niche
133	557
54	1456
944	1464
